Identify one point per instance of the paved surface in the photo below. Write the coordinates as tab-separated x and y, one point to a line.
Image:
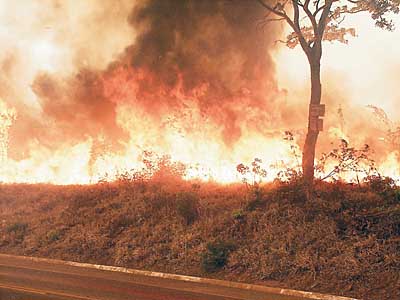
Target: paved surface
24	278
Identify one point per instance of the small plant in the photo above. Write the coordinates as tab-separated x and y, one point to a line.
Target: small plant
252	176
53	235
238	214
397	195
187	207
346	159
294	148
380	184
120	223
289	175
392	134
18	229
384	186
255	198
216	255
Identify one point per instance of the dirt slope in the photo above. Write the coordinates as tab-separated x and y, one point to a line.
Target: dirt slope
346	241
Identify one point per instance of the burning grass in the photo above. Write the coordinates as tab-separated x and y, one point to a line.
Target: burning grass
344	241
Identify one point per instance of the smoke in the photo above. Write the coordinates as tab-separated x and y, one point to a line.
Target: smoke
199	80
52	54
214	46
213	52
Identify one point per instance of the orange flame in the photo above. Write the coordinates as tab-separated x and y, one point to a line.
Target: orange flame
178	126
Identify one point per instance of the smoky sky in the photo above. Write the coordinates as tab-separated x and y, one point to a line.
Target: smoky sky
218	43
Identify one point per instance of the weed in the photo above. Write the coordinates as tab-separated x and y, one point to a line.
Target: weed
397	195
187	205
238	214
216	255
53	235
255	198
18	229
346	159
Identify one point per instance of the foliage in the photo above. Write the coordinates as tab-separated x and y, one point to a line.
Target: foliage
18	229
216	255
313	22
255	199
187	207
345	240
346	159
294	148
238	214
154	166
316	21
392	136
291	174
385	187
397	195
53	235
118	224
252	176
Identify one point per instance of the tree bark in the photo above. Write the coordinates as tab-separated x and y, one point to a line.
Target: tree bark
312	133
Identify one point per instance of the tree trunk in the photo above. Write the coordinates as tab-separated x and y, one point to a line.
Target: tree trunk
312	133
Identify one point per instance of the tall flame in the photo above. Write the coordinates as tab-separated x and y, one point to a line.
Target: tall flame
95	84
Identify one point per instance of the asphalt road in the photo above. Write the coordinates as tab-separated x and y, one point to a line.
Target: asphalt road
26	279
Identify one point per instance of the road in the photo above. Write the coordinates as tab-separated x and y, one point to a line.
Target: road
23	278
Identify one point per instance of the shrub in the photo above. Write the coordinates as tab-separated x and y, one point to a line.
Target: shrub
187	205
385	187
397	195
255	198
292	192
158	200
216	255
381	185
53	235
238	214
18	229
118	224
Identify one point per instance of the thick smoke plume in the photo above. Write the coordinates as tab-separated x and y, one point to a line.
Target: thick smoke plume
207	54
51	61
211	50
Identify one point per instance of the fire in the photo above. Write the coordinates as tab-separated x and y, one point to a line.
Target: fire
183	134
7	116
86	112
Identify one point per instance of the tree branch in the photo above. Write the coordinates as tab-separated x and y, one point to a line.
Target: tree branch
311	17
294	24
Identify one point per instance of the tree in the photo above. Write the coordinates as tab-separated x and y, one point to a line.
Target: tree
312	23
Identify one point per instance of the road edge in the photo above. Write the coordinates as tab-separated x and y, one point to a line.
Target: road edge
218	282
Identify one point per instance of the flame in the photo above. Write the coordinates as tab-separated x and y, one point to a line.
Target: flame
180	125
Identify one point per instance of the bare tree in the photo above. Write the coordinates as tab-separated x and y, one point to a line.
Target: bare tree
313	22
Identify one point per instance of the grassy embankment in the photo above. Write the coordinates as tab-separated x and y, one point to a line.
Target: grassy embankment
346	241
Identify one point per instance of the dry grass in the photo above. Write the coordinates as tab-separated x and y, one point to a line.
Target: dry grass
345	241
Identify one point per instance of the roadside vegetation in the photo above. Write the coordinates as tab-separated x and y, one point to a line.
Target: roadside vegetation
344	241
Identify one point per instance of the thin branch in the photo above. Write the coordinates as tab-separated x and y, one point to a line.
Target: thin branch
296	22
324	17
279	11
310	17
274	19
